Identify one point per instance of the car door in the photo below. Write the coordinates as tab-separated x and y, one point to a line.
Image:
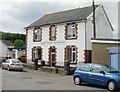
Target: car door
83	72
95	76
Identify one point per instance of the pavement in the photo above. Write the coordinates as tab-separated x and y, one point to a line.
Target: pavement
43	73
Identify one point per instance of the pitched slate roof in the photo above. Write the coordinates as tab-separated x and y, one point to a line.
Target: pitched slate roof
64	16
6	42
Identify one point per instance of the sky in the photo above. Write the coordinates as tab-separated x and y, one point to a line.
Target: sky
15	15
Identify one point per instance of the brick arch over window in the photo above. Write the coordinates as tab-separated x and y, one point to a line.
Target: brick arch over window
65	53
66	30
50	56
33	53
34	40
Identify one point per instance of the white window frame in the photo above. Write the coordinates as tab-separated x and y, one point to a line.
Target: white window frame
71	54
53	32
37	34
71	28
35	53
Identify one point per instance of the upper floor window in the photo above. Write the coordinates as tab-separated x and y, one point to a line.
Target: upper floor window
71	31
52	32
37	34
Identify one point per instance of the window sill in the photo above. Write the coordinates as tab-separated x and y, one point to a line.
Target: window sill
52	40
73	62
36	40
71	38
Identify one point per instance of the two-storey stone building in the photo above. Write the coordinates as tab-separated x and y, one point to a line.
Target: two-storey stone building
66	35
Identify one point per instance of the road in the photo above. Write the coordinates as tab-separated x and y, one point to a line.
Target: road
37	80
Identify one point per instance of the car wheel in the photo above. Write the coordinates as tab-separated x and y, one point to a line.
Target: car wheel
77	80
8	68
112	86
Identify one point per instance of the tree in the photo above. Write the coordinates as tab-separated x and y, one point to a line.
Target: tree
19	43
12	37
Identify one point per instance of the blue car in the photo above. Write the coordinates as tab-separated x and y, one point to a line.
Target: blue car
100	74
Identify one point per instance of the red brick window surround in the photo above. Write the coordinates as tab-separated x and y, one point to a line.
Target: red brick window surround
37	53
52	33
37	34
71	54
71	31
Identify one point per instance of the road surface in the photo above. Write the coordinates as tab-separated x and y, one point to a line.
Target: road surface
37	80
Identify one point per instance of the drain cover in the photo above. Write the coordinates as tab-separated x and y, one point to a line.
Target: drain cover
44	82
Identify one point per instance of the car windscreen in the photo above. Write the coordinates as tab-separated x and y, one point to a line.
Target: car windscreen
109	69
16	61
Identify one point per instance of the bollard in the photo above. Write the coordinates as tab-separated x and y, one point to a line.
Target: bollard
36	64
56	70
67	68
42	63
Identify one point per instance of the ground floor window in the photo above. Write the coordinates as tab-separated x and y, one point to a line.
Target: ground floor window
37	53
71	54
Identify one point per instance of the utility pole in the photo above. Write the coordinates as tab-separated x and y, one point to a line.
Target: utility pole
94	26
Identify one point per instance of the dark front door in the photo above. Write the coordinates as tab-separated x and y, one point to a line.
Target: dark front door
52	56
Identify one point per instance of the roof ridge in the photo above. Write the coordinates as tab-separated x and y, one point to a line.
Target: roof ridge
68	10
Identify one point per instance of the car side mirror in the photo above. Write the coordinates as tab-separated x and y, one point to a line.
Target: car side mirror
102	72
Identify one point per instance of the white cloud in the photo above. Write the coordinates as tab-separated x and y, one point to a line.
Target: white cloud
19	13
11	24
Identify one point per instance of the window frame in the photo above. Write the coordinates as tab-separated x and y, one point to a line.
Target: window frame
71	31
69	55
52	33
35	52
37	34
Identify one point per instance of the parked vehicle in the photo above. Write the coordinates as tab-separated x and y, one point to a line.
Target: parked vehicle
12	64
100	74
2	60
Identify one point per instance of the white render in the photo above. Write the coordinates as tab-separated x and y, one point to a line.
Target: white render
4	49
103	29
